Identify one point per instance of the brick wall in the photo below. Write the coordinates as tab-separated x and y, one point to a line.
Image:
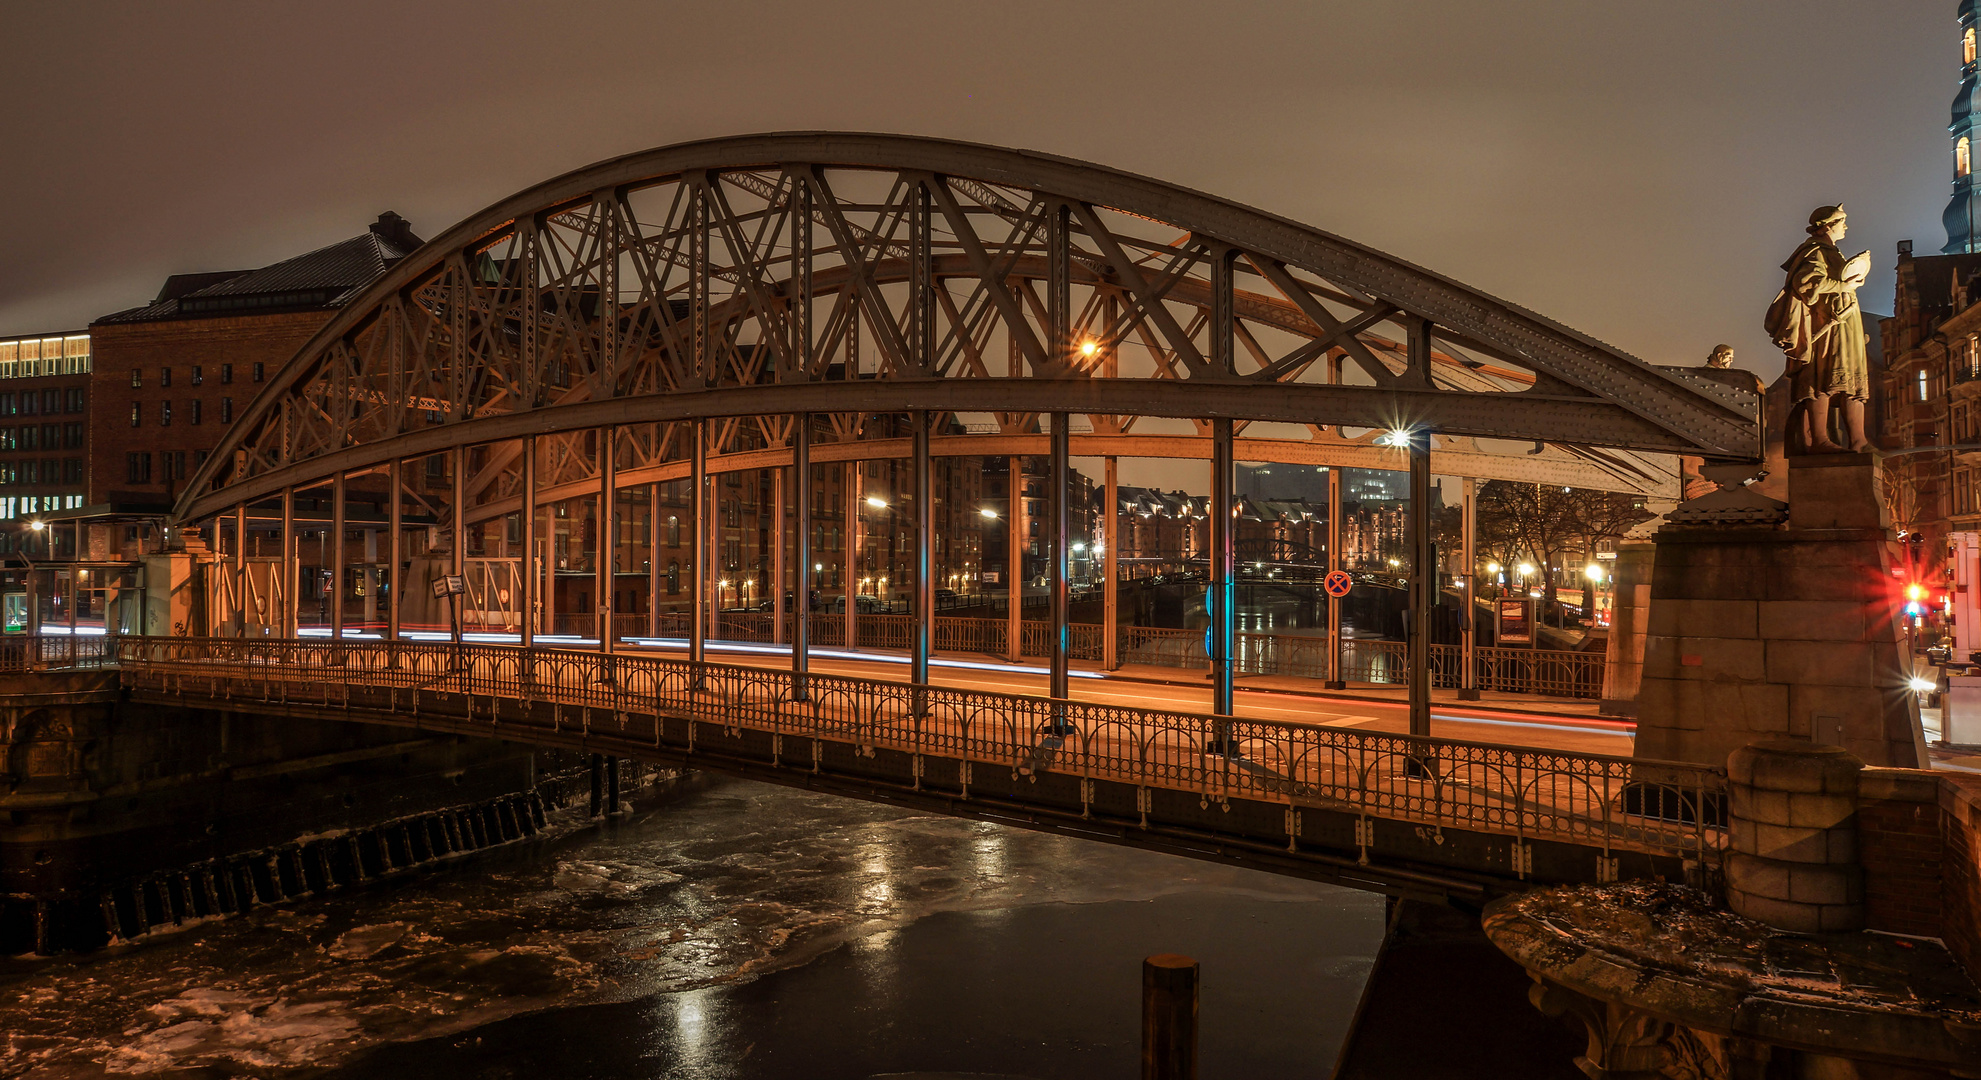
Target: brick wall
1919	840
1901	848
179	344
1960	818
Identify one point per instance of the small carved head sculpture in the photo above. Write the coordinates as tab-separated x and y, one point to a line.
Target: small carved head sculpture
1828	221
1722	357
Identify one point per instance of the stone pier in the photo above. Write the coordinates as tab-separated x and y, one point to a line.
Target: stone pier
1769	622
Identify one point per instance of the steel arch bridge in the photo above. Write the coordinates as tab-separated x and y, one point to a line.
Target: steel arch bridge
773	303
747	280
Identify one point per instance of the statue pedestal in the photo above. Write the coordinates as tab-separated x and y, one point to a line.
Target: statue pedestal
1781	630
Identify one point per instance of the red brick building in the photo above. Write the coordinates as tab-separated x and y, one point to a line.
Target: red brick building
169	377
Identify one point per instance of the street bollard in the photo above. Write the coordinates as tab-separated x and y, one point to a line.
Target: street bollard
1169	1018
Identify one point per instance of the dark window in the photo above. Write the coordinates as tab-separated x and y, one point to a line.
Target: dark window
8	406
32	471
51	402
51	436
199	375
50	469
226	374
29	401
257	371
72	470
76	402
137	378
226	410
137	415
138	467
178	464
72	436
673	577
165	376
194	417
199	458
30	437
164	414
673	531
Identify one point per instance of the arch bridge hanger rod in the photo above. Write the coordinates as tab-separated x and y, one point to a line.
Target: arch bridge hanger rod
459	342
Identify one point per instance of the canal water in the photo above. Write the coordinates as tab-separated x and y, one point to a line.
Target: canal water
728	930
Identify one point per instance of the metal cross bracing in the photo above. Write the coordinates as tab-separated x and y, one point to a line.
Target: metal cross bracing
1348	805
685	313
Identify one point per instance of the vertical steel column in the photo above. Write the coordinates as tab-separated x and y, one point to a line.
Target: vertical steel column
924	624
1016	529
1468	679
460	561
532	585
1110	598
1335	681
240	575
778	555
394	549
337	557
1223	591
698	604
288	572
1423	552
1061	517
654	573
849	555
801	625
605	549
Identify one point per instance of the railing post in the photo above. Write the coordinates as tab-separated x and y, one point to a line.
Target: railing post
1110	567
395	553
287	571
605	549
531	585
855	482
337	556
1016	531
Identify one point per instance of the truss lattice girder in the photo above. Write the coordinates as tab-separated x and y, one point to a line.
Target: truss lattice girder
1444	462
451	314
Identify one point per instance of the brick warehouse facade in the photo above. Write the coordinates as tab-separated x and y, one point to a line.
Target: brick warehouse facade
168	378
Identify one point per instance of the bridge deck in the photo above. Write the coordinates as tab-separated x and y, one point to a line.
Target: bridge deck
1331	800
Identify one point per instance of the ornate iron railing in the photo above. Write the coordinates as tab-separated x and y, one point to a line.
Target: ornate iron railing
56	652
1590	799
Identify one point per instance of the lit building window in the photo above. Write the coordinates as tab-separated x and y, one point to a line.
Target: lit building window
1922	384
1961	161
1967	46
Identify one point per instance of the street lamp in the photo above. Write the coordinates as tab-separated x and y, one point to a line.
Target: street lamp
876	502
987	512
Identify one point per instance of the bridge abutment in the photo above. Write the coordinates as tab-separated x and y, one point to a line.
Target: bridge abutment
122	815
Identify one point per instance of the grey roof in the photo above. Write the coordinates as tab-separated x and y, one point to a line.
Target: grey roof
326	278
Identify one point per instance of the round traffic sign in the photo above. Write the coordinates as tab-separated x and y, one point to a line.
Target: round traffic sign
1338	583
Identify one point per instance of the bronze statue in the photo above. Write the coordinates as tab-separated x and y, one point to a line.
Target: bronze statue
1816	323
1722	357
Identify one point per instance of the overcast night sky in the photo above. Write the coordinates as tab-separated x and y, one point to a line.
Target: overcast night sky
1636	171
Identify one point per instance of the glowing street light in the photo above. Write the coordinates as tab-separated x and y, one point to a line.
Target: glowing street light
1593	573
1525	569
1089	349
989	513
876	502
1492	568
37	526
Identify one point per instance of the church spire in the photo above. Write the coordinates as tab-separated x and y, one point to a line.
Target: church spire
1963	216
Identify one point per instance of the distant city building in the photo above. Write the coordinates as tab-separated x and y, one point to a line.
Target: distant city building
44	427
1963	228
1931	390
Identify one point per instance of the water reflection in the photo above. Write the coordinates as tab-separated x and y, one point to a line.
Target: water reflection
702	939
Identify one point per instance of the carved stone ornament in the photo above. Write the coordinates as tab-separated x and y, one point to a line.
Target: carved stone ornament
1733	503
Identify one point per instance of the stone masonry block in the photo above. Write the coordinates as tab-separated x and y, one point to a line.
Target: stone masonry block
1813	620
1794	809
1794	765
1836	495
1780	914
1718	659
1819	663
1789	844
1829	885
1709	583
1705	618
1692	705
